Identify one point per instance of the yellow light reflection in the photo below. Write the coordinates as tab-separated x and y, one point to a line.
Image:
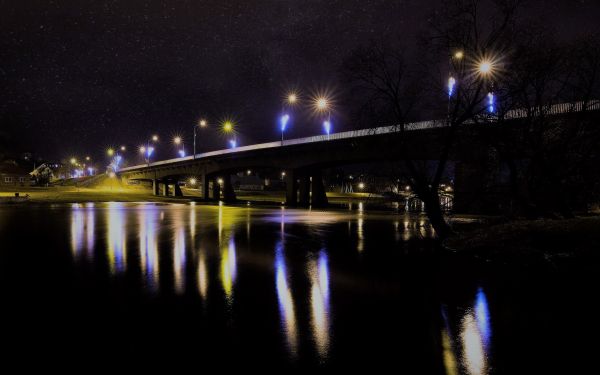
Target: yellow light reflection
228	269
179	258
117	244
202	276
148	237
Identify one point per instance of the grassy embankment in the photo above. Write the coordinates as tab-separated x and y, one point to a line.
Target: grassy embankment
534	242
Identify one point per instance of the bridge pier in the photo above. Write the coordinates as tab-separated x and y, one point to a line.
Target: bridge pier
291	189
319	197
204	183
228	192
304	190
216	189
177	190
155	187
165	190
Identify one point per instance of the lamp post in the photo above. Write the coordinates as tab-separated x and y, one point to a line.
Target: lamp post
322	104
202	124
148	150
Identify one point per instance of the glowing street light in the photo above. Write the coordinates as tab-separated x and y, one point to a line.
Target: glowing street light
491	102
193	181
485	67
123	148
292	98
155	138
321	104
202	123
283	121
459	55
87	158
233	143
451	85
361	185
228	126
177	140
110	152
327	126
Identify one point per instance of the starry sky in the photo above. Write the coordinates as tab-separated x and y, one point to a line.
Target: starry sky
79	76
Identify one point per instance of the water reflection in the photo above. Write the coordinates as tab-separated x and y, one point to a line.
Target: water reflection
473	347
117	244
318	271
82	230
285	300
148	247
228	269
202	276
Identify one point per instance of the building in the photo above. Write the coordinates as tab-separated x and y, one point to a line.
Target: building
11	174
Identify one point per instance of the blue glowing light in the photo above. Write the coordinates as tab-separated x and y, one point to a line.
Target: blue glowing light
491	103
150	151
91	170
182	153
327	126
283	121
451	84
233	143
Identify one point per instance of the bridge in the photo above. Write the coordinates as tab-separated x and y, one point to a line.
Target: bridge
303	159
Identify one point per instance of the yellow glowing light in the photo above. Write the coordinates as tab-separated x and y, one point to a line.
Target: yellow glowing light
228	126
142	149
87	158
73	161
123	148
192	181
202	123
110	152
220	181
459	55
292	98
177	140
155	138
361	185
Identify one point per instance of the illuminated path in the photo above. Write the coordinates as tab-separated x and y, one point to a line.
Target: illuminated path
303	158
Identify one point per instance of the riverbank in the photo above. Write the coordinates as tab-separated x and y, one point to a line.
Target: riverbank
552	243
121	193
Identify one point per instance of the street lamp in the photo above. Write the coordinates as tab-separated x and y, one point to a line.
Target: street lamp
283	120
179	141
148	150
228	127
202	123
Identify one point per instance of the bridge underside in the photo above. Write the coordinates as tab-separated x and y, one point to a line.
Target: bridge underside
304	163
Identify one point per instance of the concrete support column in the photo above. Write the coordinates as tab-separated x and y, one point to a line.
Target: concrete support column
228	193
216	190
155	187
304	190
177	190
204	183
291	189
319	198
165	186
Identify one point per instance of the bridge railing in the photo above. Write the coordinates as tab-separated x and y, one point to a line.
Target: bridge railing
554	109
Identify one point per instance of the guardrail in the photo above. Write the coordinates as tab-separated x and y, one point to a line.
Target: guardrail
554	109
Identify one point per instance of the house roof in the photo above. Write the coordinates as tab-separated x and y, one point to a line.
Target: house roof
11	167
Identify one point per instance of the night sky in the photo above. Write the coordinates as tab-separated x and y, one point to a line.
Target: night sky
78	76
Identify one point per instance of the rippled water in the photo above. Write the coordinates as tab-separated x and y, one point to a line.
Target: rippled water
244	286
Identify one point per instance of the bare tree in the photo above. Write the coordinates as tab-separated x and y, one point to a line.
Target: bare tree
462	43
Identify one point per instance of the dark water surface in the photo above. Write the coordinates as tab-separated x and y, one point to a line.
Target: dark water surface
268	287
